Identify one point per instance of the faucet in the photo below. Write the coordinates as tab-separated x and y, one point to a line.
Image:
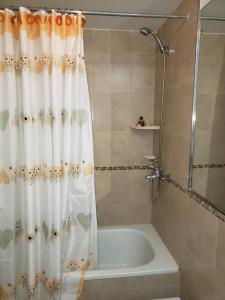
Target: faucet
157	174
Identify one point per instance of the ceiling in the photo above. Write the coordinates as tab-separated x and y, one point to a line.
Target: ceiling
135	6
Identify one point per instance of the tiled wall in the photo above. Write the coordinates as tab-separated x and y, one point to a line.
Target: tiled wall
193	234
132	288
121	77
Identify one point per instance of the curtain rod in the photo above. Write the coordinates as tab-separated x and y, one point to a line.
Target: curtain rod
103	13
213	18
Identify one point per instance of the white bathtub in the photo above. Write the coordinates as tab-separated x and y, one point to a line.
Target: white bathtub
130	251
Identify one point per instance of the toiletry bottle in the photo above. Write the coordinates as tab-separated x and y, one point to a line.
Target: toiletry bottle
141	122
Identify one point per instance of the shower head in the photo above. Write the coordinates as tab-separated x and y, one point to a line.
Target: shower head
146	31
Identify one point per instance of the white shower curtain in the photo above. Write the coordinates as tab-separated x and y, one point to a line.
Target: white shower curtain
47	198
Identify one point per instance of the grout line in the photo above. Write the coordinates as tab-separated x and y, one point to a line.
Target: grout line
197	198
215	165
121	168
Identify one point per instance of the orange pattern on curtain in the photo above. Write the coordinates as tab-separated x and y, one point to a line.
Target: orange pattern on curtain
34	24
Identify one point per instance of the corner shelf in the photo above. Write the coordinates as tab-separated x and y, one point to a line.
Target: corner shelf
152	127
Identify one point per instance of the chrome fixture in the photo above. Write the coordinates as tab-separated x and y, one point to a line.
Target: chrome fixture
163	49
103	13
158	175
146	31
194	103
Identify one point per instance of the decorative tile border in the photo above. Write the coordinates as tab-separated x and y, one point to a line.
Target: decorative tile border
201	166
122	168
200	200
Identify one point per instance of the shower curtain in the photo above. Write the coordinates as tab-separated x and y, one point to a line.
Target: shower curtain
47	197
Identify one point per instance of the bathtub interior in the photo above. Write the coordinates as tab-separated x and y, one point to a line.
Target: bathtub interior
123	248
126	251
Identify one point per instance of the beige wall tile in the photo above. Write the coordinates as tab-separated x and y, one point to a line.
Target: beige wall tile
129	186
175	156
201	243
143	72
102	78
202	146
139	187
101	41
123	214
120	187
185	53
142	44
121	111
205	112
115	61
140	143
132	282
101	58
102	148
208	80
123	200
199	181
102	111
206	146
196	283
217	148
88	44
219	280
215	186
178	109
103	187
120	42
120	147
159	71
157	106
121	73
156	142
176	224
190	233
135	294
142	104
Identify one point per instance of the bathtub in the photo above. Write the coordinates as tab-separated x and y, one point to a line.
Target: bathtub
126	255
126	251
131	251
